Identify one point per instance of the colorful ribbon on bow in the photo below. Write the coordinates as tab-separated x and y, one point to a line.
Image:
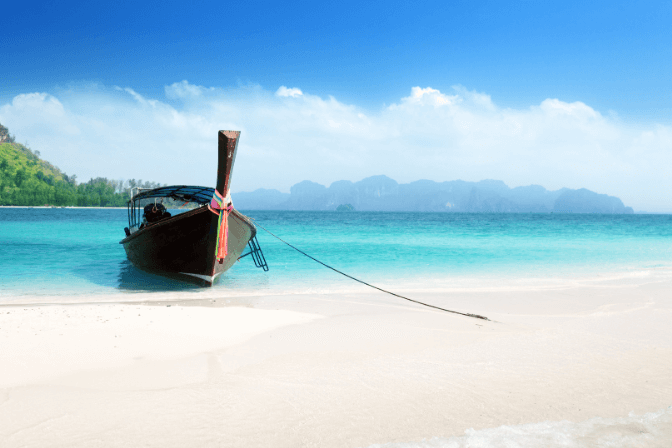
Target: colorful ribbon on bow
218	202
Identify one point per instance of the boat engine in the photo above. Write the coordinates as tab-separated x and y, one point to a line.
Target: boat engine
155	213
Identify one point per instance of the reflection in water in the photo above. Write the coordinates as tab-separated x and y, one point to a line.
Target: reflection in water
134	279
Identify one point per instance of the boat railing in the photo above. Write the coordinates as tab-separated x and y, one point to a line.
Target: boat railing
257	254
134	212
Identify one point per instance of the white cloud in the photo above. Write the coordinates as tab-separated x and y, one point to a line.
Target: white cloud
293	92
117	132
427	97
183	90
578	110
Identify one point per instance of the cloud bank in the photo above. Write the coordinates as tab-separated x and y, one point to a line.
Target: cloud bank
289	135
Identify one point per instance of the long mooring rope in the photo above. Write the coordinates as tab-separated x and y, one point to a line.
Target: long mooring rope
476	316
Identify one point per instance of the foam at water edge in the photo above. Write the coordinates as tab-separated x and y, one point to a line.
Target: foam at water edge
649	430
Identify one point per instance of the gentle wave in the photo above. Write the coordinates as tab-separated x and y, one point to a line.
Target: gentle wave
651	430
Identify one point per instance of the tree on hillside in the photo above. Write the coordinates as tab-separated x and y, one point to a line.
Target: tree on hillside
19	177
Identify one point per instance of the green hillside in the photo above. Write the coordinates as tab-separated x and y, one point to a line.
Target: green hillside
27	180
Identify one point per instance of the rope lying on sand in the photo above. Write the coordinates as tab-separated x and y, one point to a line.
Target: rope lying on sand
476	316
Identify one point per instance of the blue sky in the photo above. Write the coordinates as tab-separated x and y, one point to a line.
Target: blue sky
609	54
613	57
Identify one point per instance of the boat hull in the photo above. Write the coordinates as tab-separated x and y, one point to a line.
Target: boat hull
184	245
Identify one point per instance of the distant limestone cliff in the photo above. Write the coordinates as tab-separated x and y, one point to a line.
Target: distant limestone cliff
380	193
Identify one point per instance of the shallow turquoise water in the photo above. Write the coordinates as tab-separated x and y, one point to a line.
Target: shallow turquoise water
76	252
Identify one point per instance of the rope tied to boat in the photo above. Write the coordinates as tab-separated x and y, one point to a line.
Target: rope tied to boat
224	207
475	316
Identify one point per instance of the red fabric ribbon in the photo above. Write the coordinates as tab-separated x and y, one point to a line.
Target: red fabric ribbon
218	203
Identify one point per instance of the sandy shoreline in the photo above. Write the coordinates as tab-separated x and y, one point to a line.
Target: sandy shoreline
341	370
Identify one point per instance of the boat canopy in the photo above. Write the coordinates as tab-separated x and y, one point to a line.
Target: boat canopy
186	193
173	197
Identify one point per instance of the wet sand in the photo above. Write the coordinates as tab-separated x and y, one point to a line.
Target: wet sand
341	369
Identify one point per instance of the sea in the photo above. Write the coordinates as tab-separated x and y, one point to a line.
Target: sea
71	255
74	253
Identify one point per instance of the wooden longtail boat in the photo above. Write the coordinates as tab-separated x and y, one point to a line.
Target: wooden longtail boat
199	244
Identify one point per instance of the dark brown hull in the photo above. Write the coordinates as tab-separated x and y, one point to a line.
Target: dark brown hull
184	245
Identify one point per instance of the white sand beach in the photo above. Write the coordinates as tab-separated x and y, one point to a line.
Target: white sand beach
587	364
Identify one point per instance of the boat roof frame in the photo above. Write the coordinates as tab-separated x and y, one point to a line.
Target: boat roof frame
188	193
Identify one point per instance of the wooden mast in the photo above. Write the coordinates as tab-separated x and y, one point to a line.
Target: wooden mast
227	146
